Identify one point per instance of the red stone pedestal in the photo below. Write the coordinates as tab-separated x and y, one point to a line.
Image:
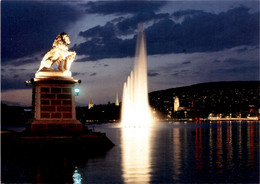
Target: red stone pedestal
54	104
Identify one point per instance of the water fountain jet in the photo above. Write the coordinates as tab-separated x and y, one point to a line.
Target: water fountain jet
136	111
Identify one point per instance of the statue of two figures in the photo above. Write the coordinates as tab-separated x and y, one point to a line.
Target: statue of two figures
59	54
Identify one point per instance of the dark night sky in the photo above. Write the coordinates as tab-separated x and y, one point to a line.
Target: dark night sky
188	42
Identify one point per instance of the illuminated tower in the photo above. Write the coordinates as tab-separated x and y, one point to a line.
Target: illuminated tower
117	102
176	104
90	104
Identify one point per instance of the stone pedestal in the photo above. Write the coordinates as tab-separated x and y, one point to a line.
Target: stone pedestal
54	104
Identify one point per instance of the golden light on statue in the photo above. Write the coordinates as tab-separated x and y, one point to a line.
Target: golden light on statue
59	54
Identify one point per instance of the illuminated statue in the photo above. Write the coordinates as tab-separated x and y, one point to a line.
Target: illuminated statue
59	53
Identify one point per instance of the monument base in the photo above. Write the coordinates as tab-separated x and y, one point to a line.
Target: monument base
56	125
54	104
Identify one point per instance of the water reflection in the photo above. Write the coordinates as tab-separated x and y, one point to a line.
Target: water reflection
198	149
176	153
219	161
220	152
251	144
229	144
136	155
232	146
76	177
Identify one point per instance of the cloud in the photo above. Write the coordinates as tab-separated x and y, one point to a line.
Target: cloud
22	61
122	7
129	25
186	13
184	71
77	74
186	62
216	61
233	61
24	26
238	73
103	43
243	49
152	74
15	77
84	59
204	32
93	74
14	82
30	75
181	72
29	27
198	32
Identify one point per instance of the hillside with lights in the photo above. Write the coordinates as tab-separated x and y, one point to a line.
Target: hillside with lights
240	97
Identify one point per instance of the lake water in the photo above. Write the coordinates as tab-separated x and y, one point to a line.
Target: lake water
169	152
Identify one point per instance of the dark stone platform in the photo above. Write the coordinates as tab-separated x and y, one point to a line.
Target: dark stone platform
86	140
48	157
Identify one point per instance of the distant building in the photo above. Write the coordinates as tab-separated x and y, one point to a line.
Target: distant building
90	104
176	104
117	102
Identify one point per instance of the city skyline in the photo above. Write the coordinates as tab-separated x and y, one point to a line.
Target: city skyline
188	42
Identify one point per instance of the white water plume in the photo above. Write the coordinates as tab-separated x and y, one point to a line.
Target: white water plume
135	105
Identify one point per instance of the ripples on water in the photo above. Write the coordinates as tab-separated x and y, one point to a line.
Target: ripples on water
175	152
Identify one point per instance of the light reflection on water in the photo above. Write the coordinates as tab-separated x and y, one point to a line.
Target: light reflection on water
177	152
185	152
76	177
136	154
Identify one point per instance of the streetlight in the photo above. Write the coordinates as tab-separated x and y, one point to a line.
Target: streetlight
76	91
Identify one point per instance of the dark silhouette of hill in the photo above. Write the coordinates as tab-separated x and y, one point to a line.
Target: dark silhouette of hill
213	97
